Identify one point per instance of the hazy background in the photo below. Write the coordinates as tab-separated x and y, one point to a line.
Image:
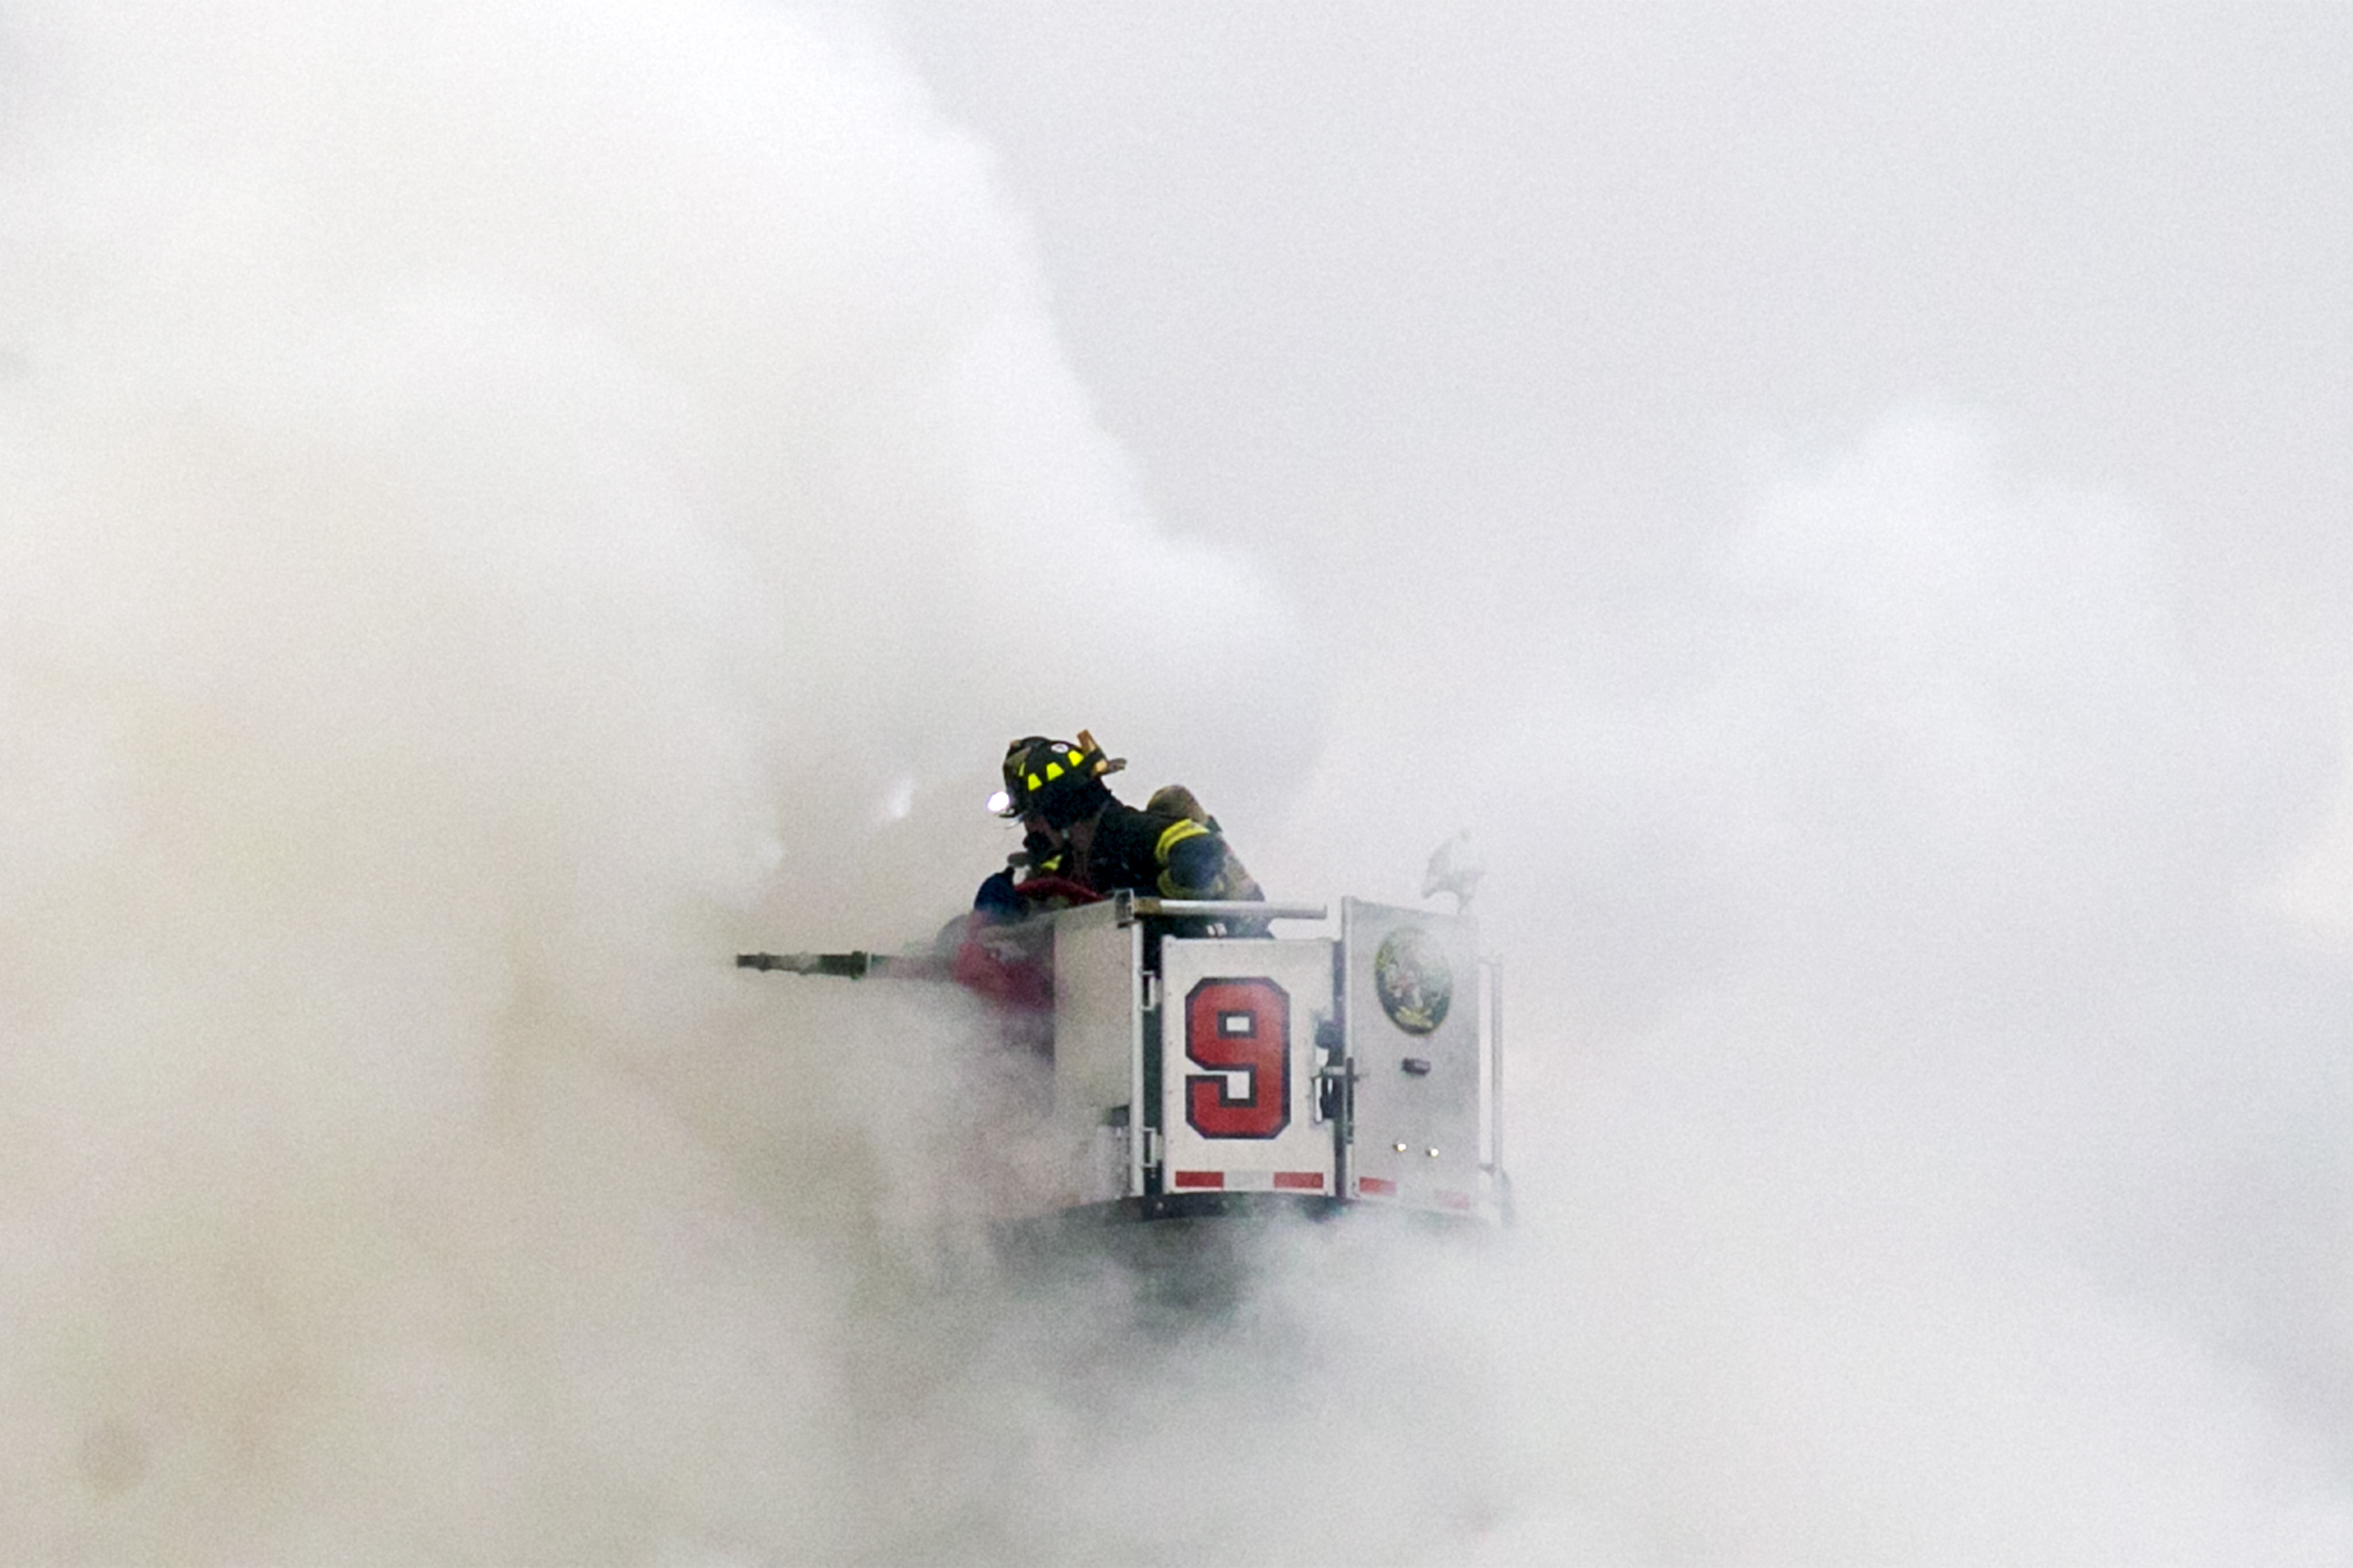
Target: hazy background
502	505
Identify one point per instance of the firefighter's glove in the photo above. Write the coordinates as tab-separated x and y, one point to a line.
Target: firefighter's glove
997	901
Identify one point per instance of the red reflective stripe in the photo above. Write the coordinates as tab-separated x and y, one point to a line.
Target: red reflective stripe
1379	1185
1313	1181
1200	1178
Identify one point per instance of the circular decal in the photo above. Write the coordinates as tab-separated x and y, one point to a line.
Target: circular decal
1415	982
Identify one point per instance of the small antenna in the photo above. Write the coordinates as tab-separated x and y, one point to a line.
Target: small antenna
1454	868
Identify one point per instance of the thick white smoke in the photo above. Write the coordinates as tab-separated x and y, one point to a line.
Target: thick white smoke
1951	1198
502	505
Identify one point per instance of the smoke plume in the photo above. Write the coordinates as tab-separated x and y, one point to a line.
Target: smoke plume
503	505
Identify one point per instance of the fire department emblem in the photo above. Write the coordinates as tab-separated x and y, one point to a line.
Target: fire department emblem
1415	983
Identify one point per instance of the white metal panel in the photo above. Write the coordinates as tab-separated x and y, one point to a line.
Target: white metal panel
1099	1046
1413	997
1237	1076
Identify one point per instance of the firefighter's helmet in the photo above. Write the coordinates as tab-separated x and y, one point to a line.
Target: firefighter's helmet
1058	780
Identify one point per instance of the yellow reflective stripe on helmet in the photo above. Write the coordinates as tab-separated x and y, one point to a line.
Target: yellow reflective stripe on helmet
1178	833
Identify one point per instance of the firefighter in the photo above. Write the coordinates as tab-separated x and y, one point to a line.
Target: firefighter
1089	838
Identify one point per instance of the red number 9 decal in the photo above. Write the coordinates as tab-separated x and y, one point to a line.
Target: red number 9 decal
1237	1026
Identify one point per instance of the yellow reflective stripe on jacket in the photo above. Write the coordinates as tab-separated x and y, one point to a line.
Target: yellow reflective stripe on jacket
1178	832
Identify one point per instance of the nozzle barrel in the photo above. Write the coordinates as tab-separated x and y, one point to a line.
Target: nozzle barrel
848	966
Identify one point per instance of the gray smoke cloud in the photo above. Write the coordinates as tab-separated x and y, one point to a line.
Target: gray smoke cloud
501	506
504	506
1958	1135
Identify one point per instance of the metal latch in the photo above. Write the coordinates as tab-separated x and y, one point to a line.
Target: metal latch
1333	1071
